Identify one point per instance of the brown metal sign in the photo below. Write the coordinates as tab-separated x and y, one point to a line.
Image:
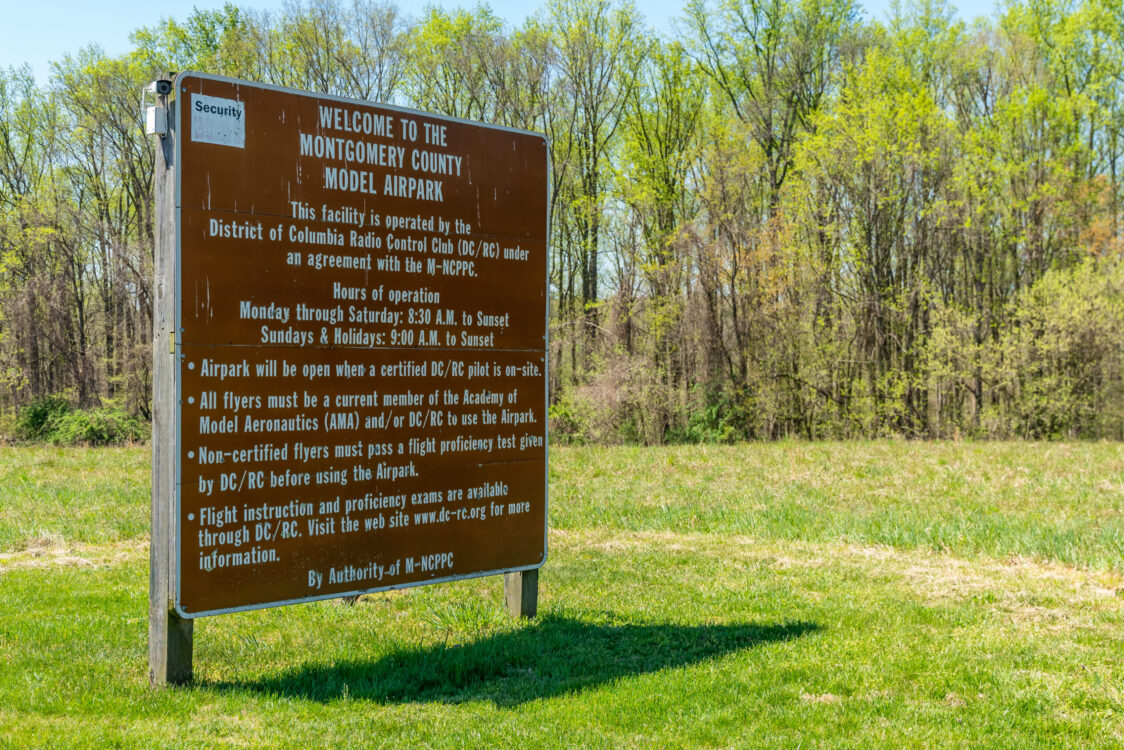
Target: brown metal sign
360	347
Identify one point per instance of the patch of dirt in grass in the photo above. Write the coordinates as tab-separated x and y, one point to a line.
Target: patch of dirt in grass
45	541
626	541
954	700
1049	594
820	698
52	551
1015	587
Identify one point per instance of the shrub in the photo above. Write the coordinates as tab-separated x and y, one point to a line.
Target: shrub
721	417
568	419
1062	354
104	426
52	419
1053	369
32	420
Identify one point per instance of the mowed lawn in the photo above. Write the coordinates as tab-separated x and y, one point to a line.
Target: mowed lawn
874	594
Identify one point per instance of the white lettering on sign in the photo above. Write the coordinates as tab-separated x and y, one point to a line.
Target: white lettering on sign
215	120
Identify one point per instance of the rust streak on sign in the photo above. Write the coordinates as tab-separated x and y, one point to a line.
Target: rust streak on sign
361	347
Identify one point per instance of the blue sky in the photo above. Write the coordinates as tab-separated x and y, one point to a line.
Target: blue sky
41	31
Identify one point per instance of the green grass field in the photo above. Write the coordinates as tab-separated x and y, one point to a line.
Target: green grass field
883	594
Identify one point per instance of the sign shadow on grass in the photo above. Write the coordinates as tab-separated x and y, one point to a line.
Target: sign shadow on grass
553	656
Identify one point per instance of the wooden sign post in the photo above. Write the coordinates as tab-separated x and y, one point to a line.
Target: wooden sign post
350	355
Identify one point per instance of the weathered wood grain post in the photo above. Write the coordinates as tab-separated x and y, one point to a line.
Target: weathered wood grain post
169	636
521	593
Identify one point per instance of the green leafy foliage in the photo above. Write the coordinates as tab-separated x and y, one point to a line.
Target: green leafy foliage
779	220
52	419
103	426
35	420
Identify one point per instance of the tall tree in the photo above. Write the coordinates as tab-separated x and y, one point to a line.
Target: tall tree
599	50
773	61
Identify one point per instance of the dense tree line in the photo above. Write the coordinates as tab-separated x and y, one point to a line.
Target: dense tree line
781	220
